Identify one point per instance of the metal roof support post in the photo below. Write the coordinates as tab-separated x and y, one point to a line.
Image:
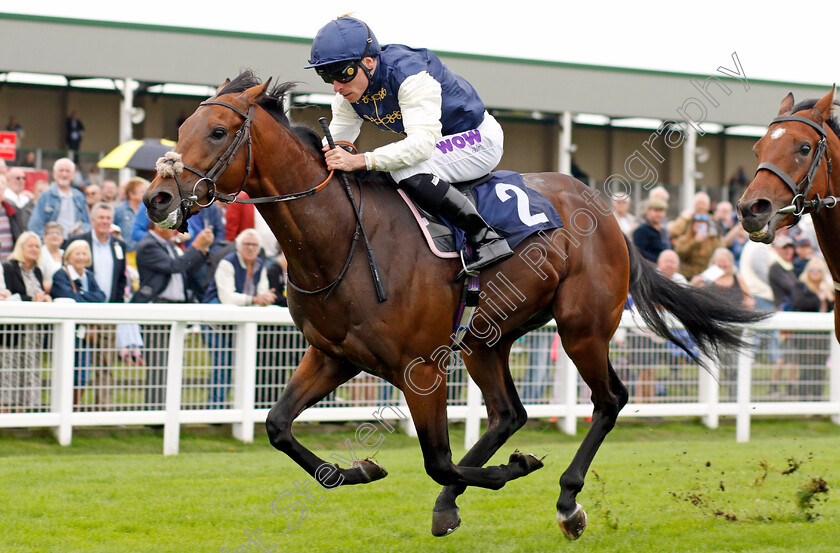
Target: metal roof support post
564	164
126	130
689	168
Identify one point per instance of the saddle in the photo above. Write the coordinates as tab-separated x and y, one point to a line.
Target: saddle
503	200
514	220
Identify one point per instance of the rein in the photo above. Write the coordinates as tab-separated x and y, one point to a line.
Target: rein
800	190
171	165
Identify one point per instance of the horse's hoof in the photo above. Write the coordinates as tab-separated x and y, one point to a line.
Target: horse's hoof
370	469
445	522
529	461
574	524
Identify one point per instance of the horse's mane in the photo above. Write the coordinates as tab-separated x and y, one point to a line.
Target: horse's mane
273	101
832	122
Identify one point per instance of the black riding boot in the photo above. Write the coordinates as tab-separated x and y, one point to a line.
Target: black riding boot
438	196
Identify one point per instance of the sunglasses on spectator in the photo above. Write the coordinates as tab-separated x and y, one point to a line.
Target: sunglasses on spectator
342	71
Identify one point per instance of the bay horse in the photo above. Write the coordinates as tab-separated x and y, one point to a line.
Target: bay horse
582	283
795	176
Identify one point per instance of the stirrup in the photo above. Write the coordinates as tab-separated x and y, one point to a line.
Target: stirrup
464	273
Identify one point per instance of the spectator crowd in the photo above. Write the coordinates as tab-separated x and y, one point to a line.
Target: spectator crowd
92	243
706	246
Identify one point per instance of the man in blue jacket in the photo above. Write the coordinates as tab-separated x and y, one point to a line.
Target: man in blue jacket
61	202
447	135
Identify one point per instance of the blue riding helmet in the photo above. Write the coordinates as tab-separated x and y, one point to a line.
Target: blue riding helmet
343	39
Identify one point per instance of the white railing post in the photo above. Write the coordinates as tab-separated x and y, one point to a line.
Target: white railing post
62	379
472	426
744	389
834	377
407	424
244	380
709	391
174	371
568	376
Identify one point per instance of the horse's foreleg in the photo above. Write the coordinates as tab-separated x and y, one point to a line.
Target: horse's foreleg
505	413
317	376
425	393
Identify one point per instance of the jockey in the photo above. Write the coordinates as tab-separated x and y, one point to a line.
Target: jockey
447	134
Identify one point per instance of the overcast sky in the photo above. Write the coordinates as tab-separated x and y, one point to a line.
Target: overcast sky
692	37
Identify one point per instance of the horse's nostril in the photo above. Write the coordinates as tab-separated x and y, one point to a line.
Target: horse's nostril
161	198
756	208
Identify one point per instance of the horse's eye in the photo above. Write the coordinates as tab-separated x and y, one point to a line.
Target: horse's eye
218	132
805	149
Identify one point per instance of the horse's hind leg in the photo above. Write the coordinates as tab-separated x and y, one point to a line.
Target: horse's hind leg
590	355
425	394
317	376
490	371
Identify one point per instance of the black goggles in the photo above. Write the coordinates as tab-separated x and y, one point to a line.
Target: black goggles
342	72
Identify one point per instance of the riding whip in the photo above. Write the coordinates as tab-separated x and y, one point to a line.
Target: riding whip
377	281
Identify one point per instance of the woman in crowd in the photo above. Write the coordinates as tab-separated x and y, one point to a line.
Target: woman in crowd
20	345
724	277
52	256
21	272
75	281
814	292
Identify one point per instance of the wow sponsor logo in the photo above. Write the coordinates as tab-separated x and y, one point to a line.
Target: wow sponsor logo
469	139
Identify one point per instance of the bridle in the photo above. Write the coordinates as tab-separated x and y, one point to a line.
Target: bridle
800	190
172	165
240	139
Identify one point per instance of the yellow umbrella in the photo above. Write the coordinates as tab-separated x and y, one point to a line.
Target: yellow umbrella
137	154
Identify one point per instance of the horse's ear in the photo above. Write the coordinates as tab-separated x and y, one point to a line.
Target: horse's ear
256	91
221	86
824	107
787	105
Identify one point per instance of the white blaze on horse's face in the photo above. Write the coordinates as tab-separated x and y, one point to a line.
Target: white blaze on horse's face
777	133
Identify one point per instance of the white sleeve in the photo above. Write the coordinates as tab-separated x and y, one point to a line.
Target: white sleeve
345	123
420	99
262	284
226	285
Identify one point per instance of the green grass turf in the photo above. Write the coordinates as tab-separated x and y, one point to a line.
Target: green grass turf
658	488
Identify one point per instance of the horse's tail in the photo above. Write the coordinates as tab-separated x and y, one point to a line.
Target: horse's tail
710	322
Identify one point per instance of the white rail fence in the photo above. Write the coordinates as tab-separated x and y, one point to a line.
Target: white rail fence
60	367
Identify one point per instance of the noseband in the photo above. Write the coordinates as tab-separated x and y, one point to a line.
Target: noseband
801	189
